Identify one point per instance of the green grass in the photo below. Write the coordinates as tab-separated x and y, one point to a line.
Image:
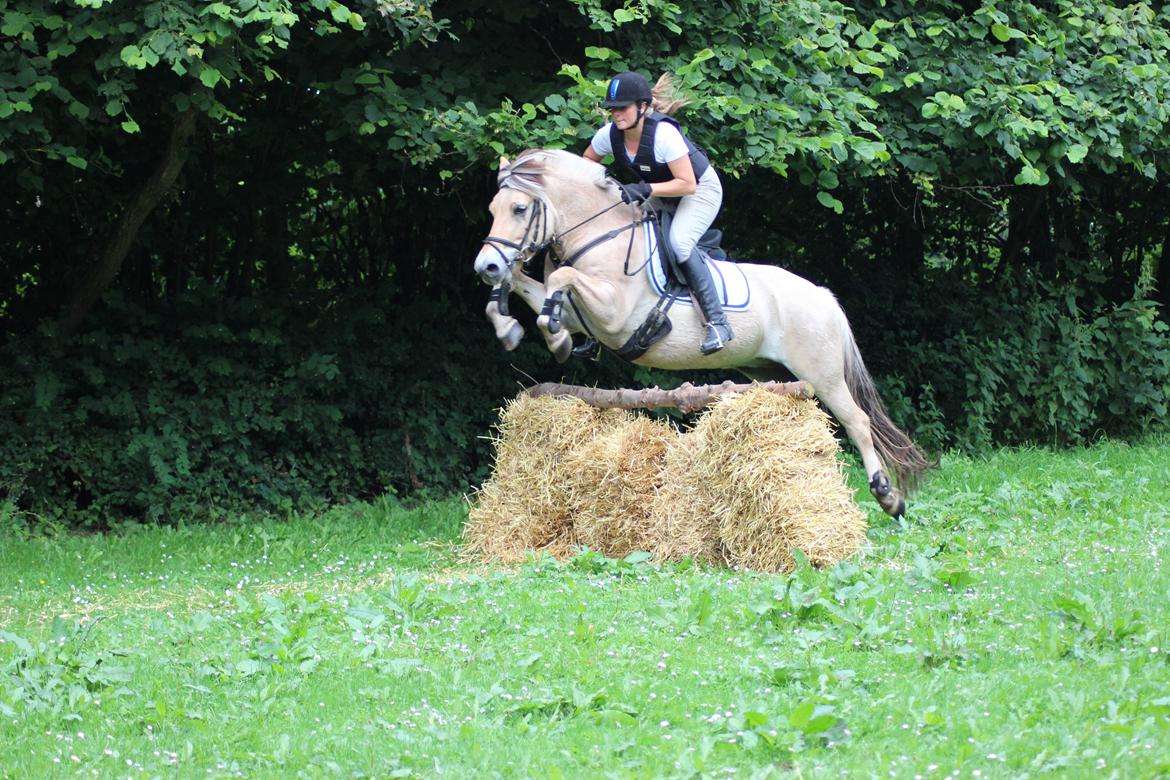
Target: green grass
1016	625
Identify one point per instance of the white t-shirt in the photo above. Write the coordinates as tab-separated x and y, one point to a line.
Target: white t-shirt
668	143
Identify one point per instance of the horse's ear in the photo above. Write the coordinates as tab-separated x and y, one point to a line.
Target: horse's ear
504	162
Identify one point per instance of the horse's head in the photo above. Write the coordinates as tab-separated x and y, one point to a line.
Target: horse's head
521	220
534	190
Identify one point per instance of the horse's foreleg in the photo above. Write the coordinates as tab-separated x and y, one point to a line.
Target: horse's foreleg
596	296
508	329
532	292
559	342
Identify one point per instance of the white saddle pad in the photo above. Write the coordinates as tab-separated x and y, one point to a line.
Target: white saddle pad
729	279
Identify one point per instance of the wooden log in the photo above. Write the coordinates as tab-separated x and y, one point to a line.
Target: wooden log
686	398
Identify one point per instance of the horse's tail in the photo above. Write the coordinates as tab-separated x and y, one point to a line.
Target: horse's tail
894	447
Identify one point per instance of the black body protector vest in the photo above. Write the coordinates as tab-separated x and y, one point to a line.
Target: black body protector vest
644	166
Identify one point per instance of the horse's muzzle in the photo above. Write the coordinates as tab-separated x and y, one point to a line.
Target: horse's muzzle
491	267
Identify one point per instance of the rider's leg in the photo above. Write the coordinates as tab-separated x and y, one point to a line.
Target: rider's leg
703	288
694	215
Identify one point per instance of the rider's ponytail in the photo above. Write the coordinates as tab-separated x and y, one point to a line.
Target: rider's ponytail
667	98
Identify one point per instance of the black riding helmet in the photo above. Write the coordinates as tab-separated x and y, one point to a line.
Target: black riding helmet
626	88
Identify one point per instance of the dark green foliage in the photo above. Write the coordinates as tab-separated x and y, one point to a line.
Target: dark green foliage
222	407
1037	363
982	185
216	407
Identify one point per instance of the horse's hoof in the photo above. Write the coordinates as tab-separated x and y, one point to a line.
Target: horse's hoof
892	504
512	338
890	500
563	349
588	349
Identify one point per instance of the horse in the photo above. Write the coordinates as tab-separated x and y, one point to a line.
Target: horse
561	206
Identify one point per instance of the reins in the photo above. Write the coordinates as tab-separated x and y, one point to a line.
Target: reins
605	237
527	249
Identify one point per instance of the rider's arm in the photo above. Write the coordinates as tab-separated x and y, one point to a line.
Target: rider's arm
683	182
590	154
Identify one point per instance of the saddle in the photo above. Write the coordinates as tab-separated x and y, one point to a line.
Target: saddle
657	324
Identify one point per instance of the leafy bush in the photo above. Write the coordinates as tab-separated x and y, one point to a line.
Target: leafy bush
1038	361
226	406
217	407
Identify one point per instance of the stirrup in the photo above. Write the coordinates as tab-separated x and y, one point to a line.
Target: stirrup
718	334
589	348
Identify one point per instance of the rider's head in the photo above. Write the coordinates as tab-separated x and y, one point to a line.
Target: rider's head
627	89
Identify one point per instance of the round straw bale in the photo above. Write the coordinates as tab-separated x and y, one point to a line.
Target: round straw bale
610	483
683	523
776	483
523	506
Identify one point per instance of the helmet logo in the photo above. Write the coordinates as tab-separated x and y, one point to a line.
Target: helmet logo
613	88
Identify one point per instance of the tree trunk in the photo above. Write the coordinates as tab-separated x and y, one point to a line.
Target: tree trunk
1162	275
686	398
1023	206
145	201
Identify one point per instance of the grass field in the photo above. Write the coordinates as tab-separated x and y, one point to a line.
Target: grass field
1016	625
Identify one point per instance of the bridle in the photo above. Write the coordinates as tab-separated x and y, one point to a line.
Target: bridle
538	237
536	242
529	245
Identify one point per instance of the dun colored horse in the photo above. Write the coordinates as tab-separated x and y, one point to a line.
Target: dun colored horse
598	281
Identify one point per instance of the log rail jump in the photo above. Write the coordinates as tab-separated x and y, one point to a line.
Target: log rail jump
686	397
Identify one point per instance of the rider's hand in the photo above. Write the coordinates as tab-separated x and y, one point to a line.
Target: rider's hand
637	192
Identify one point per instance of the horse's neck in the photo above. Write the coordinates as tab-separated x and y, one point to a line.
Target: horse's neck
587	219
618	259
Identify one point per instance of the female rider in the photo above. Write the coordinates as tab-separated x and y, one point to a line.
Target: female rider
646	142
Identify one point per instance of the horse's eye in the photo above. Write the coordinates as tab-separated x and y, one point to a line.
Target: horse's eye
519	208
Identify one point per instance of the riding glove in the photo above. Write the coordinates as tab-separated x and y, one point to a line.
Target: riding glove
637	192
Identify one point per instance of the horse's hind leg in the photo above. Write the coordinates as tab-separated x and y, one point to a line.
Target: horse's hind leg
834	393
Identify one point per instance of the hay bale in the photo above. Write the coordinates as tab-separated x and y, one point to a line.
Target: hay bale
683	523
776	482
610	482
524	506
757	477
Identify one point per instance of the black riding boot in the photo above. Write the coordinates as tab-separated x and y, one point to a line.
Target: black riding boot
703	289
